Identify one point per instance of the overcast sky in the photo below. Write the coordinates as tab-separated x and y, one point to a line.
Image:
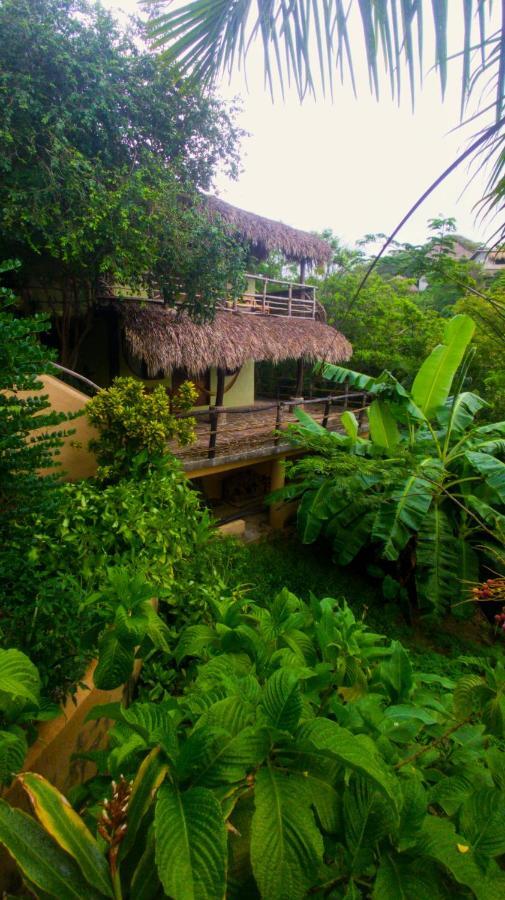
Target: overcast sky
353	165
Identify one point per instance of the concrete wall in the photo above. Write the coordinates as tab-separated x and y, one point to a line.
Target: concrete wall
76	461
239	390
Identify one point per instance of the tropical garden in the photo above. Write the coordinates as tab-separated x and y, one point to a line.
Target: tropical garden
320	714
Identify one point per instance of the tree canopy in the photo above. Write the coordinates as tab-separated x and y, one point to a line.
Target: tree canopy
105	149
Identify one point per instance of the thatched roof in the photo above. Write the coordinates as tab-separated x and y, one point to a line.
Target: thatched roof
166	339
265	235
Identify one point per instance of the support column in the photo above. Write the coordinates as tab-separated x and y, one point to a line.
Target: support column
276	514
299	378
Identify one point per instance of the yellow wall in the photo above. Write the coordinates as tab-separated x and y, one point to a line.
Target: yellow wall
75	458
242	391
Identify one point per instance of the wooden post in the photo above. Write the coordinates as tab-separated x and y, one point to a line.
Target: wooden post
346	395
303	268
324	423
290	299
214	415
278	423
277	479
299	378
113	342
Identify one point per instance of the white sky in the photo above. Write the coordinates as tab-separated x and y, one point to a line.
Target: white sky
355	166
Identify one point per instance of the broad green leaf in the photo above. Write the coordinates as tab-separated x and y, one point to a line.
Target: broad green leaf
115	663
491	469
148	779
313	512
438	576
487	513
450	792
191	846
403	712
406	877
282	701
396	673
154	723
441	842
368	817
13	749
460	411
232	757
68	829
349	537
197	640
340	375
433	381
145	884
43	862
482	821
383	428
350	423
19	679
354	751
402	514
286	845
308	422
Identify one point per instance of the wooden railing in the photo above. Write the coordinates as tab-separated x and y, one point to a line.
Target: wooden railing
274	297
234	431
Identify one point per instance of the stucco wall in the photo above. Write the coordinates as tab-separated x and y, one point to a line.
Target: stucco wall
75	458
241	393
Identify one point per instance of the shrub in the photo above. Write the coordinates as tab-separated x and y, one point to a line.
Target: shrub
136	424
152	527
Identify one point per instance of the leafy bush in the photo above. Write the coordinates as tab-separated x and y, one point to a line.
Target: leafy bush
426	490
152	527
303	756
135	425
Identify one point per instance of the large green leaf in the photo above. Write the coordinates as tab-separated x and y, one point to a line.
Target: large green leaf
191	847
401	515
313	511
282	701
350	423
286	845
42	861
350	535
308	422
368	817
438	576
13	749
396	674
231	757
460	411
433	381
19	679
68	829
115	663
482	821
491	469
406	877
383	428
148	779
355	751
441	842
341	375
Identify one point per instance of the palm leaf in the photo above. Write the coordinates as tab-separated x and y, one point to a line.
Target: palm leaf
438	577
433	381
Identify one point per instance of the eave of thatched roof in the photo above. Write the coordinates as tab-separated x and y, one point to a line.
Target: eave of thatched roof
266	235
166	339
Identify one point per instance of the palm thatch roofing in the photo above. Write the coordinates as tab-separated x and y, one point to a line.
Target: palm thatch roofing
168	339
266	235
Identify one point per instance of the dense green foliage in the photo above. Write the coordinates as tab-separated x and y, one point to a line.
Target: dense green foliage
136	424
426	490
303	754
56	561
104	152
29	430
386	327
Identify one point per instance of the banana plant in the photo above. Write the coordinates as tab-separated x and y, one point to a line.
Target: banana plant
423	490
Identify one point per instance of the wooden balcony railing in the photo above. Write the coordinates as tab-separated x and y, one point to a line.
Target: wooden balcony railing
273	297
237	432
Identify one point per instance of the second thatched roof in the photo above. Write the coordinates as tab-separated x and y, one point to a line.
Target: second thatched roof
166	339
266	235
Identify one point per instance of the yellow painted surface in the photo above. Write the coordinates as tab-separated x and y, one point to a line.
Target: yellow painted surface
239	390
74	458
52	753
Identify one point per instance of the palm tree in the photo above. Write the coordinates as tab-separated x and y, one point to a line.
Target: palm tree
310	42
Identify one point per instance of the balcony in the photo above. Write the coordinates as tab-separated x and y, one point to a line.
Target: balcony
274	297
